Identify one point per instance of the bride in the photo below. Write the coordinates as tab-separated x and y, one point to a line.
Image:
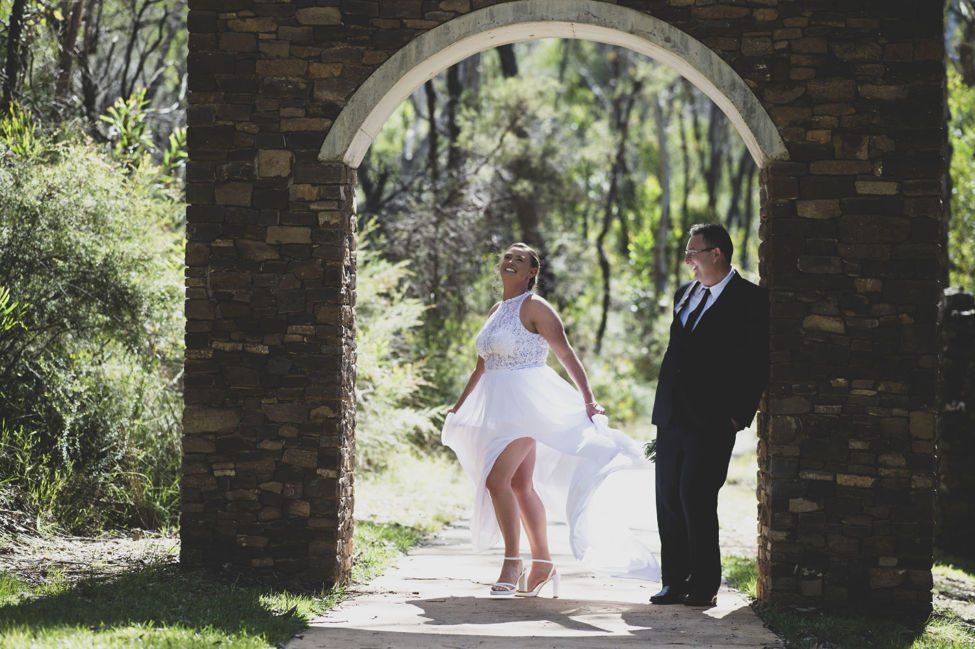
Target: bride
531	443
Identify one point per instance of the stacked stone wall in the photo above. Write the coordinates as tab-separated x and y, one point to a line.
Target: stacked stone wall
852	254
956	446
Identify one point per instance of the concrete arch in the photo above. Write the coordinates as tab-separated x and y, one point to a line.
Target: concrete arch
371	105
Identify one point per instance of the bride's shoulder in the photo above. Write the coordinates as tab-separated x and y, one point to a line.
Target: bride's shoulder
537	304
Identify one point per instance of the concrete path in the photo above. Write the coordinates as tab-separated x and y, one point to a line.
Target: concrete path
437	598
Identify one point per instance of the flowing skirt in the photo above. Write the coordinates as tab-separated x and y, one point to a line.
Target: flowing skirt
574	459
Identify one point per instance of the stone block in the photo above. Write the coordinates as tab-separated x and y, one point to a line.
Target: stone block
274	163
887	577
884	92
264	24
819	264
234	193
256	250
801	505
295	413
324	70
288	234
840	167
319	16
199	419
922	424
828	324
858	481
298	508
831	90
818	209
281	68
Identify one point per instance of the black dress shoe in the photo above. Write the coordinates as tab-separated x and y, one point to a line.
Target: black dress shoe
668	595
692	599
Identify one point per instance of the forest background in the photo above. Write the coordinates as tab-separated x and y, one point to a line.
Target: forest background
598	157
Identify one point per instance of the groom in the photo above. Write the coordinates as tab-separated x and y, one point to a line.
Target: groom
711	378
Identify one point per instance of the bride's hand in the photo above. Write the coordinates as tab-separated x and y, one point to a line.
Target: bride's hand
594	409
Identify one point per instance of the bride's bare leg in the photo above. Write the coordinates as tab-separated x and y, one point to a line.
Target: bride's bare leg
533	517
506	504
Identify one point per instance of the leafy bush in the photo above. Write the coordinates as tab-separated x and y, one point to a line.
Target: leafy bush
389	419
90	357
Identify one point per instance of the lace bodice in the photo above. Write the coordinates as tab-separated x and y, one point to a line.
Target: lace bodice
504	343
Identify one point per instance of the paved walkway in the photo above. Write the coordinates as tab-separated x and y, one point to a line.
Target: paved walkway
437	598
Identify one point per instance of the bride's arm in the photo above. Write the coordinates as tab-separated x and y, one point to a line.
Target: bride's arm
549	325
475	375
471	382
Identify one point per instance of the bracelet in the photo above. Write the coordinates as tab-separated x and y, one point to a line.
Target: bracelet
592	403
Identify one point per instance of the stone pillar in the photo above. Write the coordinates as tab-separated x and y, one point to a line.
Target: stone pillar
955	521
852	257
269	416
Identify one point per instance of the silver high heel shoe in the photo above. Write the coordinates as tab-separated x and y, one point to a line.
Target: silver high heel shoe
552	577
508	589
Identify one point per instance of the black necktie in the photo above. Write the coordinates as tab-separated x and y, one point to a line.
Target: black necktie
696	313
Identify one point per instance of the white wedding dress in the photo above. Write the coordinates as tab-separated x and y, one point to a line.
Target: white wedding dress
517	396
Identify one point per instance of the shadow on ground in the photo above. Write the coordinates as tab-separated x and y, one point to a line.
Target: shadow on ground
156	597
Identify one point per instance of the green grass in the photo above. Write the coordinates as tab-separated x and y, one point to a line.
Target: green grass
421	493
741	573
943	630
162	607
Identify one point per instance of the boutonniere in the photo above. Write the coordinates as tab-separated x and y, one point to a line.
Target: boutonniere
650	450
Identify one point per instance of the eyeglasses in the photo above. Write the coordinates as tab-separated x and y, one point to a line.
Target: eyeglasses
691	253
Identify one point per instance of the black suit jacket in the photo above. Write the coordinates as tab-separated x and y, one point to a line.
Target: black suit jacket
718	371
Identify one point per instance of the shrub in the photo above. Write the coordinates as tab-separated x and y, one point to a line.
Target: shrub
90	255
388	379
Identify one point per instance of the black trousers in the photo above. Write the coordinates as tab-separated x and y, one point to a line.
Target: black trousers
691	468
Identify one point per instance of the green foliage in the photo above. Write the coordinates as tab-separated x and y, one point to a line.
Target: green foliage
390	420
377	545
961	251
128	121
741	573
92	407
19	133
11	313
420	492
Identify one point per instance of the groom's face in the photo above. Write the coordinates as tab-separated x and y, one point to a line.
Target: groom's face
704	262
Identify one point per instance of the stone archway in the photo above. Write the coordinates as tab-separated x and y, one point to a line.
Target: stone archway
434	51
853	255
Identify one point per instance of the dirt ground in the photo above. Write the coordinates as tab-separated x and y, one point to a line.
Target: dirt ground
36	559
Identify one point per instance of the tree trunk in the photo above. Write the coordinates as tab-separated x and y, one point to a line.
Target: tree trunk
748	215
736	176
660	256
622	108
716	146
68	55
454	90
433	136
12	68
509	62
685	208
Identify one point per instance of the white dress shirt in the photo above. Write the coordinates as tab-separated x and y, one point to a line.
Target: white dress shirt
695	298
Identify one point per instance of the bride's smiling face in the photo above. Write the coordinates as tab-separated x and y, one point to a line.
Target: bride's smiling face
516	264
